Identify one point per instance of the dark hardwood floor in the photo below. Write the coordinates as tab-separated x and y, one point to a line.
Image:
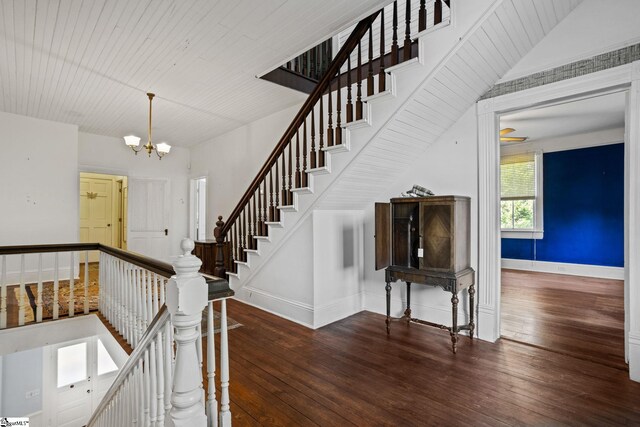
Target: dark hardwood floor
352	373
578	316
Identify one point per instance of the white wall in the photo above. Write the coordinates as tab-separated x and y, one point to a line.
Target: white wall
105	154
594	27
285	284
337	265
38	181
231	161
448	167
22	373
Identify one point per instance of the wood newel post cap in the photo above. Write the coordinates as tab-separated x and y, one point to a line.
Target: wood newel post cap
217	232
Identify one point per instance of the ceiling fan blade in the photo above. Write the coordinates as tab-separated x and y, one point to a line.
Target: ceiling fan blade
506	131
512	138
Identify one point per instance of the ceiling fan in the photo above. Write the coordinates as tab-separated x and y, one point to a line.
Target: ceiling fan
507	131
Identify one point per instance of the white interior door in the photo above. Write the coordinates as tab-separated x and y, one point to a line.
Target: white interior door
81	373
72	397
149	217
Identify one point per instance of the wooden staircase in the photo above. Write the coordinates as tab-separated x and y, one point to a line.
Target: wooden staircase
364	126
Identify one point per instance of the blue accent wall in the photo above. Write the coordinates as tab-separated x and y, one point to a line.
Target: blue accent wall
583	209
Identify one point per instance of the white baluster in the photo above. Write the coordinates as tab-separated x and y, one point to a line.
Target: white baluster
147	390
149	286
100	281
162	286
225	412
3	293
140	394
21	293
141	325
136	397
154	297
121	302
153	399
143	290
190	288
39	297
161	378
212	403
56	272
86	282
72	282
129	301
168	366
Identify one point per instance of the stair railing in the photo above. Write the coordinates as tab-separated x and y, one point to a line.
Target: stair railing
318	126
160	313
157	309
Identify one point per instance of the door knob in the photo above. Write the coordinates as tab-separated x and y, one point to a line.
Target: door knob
108	225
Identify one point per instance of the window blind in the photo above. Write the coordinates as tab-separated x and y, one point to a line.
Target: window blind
518	177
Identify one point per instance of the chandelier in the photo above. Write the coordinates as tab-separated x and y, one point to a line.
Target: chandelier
133	141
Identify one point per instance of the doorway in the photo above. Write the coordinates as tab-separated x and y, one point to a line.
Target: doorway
103	210
198	208
562	227
622	78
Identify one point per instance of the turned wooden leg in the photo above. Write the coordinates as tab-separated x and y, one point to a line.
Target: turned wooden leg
472	324
407	312
388	321
454	326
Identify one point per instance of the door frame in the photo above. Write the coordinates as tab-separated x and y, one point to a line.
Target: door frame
625	77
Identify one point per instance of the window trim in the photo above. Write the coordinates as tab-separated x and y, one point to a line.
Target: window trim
537	232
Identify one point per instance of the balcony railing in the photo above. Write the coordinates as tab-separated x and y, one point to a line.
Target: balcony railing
156	308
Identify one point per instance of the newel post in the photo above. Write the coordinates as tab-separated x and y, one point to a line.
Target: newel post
219	269
186	298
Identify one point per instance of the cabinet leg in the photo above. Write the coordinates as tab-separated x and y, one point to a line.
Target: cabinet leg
388	321
407	312
472	323
454	326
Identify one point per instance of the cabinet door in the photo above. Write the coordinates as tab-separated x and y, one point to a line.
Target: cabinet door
383	235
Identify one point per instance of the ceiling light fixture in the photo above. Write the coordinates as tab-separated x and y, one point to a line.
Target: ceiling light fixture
506	131
133	141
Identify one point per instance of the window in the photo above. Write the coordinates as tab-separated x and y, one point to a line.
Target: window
105	362
521	196
72	364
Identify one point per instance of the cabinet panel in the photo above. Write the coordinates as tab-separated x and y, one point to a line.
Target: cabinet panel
383	235
437	229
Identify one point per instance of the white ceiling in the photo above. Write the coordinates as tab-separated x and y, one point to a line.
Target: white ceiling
90	62
569	118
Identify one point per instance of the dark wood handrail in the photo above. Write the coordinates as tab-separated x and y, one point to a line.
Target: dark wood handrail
297	121
162	268
36	249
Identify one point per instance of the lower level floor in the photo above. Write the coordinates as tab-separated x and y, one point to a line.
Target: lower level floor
352	373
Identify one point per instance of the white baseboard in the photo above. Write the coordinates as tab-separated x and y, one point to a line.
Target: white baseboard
337	310
634	356
599	271
295	311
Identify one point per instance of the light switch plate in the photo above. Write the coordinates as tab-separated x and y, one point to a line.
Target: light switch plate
420	252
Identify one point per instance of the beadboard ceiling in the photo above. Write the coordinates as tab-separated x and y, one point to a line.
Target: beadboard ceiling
568	118
90	62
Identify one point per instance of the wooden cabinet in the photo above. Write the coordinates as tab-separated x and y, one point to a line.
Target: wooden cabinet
427	241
